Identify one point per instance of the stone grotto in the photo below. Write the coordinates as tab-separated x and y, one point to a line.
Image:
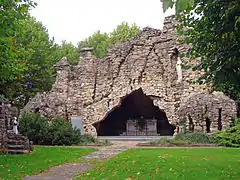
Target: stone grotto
10	142
139	88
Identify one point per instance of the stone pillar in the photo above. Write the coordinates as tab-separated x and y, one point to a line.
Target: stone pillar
84	52
61	86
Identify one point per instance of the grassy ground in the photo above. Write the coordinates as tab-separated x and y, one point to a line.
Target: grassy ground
17	166
170	163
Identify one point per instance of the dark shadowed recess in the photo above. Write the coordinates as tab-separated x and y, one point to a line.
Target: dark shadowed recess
136	105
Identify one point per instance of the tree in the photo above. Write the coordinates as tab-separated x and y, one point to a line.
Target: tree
27	61
36	50
212	28
180	5
66	50
11	13
102	41
27	53
99	41
123	32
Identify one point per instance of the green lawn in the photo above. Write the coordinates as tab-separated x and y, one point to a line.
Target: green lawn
17	166
170	163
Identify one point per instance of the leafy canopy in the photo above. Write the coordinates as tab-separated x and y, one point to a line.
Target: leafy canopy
102	41
180	5
27	53
212	28
11	13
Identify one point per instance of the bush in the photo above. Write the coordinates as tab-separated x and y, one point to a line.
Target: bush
194	138
162	141
87	140
168	142
34	127
229	138
180	142
59	132
237	121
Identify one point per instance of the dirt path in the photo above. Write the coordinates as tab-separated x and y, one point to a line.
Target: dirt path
70	170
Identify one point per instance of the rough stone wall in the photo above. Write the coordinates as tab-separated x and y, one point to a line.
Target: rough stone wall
5	116
95	86
9	141
216	108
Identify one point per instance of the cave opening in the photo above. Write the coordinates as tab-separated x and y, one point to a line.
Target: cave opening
220	119
208	125
135	116
191	125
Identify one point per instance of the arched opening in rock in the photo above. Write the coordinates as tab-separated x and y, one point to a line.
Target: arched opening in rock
220	119
135	116
191	125
208	125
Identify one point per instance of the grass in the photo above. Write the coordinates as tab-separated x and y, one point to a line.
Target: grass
170	163
18	166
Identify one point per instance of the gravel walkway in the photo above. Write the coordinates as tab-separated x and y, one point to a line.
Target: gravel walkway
70	170
61	172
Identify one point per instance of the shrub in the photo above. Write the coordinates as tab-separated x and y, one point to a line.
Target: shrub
234	121
87	140
34	127
59	132
166	141
195	138
229	137
180	142
163	141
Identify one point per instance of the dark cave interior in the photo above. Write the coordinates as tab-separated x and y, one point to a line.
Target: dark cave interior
137	106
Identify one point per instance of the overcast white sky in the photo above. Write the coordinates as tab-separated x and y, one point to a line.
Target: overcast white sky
75	20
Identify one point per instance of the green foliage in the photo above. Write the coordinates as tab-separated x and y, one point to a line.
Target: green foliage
167	4
99	41
180	142
11	13
38	53
27	53
58	132
180	5
214	33
229	137
66	50
2	97
18	166
194	138
212	28
164	141
26	68
87	139
34	127
123	32
161	141
102	41
36	50
235	122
